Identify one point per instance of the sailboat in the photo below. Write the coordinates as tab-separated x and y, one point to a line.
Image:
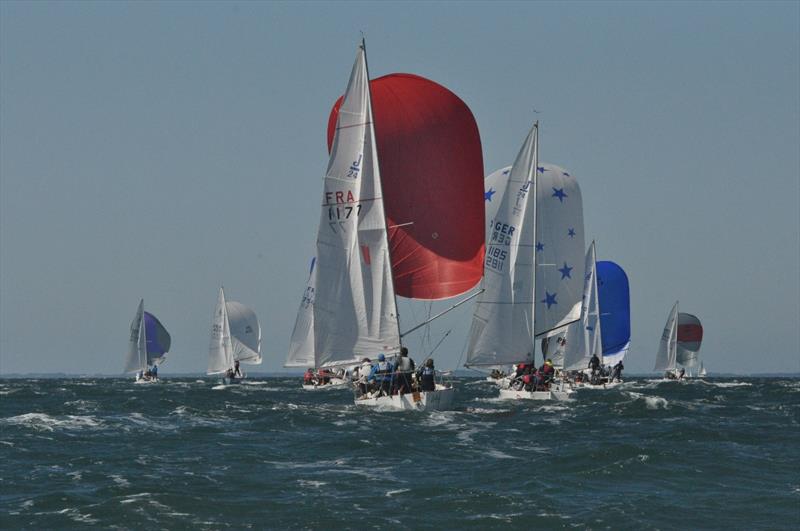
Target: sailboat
534	268
702	372
366	256
235	339
147	347
680	344
605	327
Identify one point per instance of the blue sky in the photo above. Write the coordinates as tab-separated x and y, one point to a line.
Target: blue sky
157	150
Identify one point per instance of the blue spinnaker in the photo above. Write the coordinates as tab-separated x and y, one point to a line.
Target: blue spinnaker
158	339
615	307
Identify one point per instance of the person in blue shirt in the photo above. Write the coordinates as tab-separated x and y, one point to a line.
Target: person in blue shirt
382	374
154	372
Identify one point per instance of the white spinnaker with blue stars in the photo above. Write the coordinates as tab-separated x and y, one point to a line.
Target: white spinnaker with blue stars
560	248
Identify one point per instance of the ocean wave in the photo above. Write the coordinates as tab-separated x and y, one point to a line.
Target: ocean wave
44	422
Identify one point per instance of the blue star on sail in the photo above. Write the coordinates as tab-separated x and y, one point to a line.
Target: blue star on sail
541	169
539	246
565	271
549	299
487	195
571	233
559	193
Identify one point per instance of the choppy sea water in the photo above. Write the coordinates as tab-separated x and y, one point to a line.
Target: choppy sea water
188	453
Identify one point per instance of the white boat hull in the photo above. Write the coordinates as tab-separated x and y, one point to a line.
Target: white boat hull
439	400
553	394
336	383
608	385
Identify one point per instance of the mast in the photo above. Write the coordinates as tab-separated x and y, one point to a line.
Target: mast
380	179
535	184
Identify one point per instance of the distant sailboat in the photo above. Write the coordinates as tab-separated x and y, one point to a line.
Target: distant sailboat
702	372
680	344
235	339
534	267
147	347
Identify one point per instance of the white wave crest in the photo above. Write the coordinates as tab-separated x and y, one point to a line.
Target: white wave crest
44	422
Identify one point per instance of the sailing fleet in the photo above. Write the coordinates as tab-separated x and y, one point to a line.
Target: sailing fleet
406	212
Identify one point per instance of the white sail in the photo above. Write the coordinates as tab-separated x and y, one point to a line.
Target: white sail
667	349
584	337
245	333
220	349
354	310
301	345
502	325
136	359
559	251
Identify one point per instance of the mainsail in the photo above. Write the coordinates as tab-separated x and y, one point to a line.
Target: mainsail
354	310
220	349
502	326
148	342
431	169
615	311
584	338
667	352
518	307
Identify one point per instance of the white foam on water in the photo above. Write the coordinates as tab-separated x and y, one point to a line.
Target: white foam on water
219	387
44	422
311	483
76	476
390	493
726	384
120	481
656	402
497	454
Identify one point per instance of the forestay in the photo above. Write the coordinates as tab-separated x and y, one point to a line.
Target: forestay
354	310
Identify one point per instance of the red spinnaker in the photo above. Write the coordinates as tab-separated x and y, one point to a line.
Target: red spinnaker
431	162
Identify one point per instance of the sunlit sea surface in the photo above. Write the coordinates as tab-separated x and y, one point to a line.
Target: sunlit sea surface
192	454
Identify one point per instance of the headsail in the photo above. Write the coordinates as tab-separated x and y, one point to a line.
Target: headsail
354	311
615	311
301	345
136	358
220	349
690	336
666	357
245	333
432	176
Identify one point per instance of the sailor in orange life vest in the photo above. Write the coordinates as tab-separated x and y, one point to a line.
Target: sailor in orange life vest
308	377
